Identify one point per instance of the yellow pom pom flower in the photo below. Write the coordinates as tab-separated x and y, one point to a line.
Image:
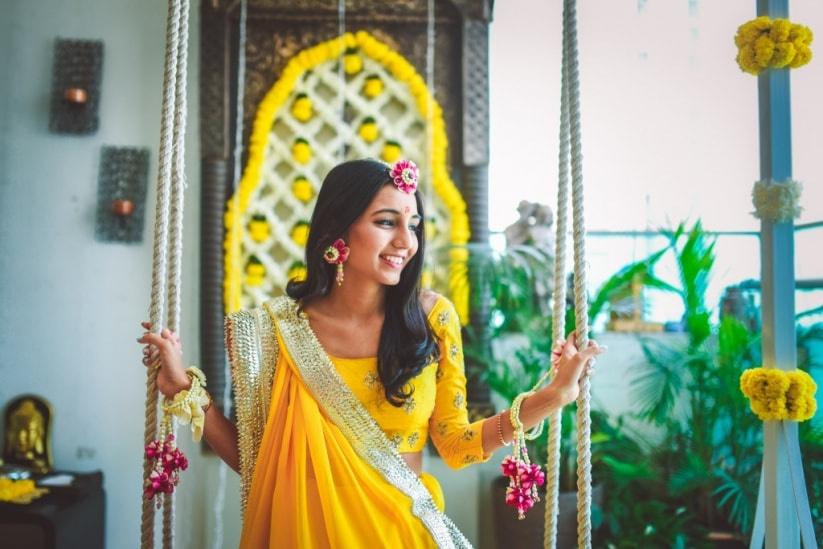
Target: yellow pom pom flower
300	233
373	86
352	62
19	491
302	189
297	271
301	151
766	43
255	272
259	229
368	130
302	108
391	151
775	395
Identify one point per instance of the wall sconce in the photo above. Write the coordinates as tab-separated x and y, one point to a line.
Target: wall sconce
121	194
75	95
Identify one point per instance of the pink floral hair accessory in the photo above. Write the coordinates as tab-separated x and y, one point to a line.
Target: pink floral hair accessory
337	254
404	174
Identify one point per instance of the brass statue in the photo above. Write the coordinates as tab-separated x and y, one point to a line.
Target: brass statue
27	440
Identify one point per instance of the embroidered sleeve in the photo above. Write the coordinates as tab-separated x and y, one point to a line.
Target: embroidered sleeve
459	442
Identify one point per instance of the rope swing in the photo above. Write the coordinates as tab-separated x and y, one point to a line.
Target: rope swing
570	155
164	308
168	239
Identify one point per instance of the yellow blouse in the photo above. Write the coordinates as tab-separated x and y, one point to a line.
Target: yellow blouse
437	405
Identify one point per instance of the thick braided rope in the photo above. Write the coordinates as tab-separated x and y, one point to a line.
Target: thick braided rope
584	473
159	266
559	306
175	240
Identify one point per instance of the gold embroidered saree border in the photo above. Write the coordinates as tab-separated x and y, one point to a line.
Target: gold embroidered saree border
251	343
354	421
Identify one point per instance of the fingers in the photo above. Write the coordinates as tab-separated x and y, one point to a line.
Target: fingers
592	350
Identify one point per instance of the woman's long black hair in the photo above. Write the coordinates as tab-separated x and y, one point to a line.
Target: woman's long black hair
407	344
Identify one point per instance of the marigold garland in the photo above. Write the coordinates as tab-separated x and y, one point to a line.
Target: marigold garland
775	395
19	491
276	98
766	43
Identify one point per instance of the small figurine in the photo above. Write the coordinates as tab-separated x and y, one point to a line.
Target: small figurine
27	434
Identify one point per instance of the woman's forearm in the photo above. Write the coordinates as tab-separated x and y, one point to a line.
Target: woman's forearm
533	410
221	435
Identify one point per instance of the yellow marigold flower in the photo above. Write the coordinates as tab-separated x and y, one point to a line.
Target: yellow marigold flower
302	108
368	130
352	62
19	491
802	56
781	28
301	151
300	233
259	229
784	53
297	272
391	152
302	189
373	87
777	395
764	43
800	403
763	50
255	272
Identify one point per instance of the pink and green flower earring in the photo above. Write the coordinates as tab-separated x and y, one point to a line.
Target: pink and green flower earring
337	254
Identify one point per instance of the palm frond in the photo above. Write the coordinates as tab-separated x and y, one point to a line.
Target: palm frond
738	497
660	380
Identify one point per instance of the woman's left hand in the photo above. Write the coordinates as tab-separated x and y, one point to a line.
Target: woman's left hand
570	364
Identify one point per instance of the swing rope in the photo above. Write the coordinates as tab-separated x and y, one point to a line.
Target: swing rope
570	156
168	225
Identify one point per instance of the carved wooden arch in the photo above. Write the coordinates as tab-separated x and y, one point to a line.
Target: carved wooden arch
276	30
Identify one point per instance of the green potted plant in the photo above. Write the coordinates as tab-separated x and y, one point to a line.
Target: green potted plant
696	486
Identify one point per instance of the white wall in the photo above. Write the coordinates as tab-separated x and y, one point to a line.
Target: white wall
666	111
70	306
669	129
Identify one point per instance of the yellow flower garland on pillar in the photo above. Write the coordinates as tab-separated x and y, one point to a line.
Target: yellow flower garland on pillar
766	43
349	47
775	395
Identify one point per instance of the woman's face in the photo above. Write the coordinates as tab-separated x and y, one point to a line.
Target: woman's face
383	239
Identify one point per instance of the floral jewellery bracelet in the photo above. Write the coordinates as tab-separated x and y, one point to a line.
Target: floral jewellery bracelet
188	406
524	476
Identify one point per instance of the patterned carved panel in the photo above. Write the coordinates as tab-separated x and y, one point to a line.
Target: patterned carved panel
272	43
475	93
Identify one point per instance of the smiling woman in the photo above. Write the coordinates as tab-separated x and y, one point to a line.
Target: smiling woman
340	383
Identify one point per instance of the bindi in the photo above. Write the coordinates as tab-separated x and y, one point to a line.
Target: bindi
406	209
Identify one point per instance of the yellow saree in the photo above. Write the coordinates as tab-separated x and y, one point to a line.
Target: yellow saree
317	469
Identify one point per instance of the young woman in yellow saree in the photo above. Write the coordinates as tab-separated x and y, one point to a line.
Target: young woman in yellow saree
339	384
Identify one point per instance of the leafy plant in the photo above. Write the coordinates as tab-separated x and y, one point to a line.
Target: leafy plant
710	446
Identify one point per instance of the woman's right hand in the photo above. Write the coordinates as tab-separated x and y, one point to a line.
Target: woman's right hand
164	351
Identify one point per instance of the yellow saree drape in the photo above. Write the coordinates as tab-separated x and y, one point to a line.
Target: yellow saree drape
325	474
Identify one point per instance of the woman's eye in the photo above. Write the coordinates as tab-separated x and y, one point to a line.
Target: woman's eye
414	228
385	222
